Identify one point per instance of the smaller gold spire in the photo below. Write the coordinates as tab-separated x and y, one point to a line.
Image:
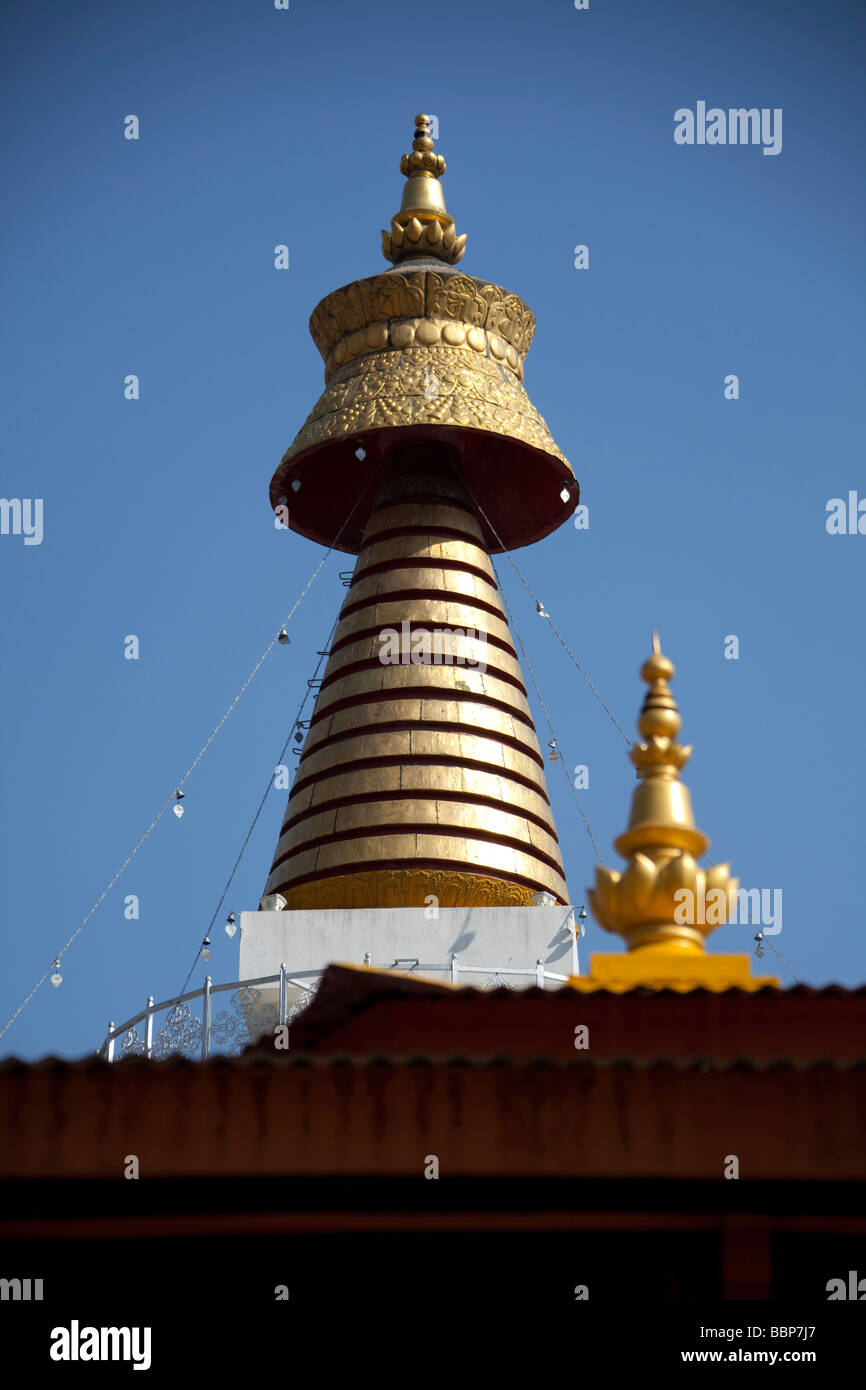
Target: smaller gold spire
422	227
662	901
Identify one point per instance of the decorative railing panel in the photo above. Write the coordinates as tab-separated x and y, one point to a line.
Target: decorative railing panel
190	1026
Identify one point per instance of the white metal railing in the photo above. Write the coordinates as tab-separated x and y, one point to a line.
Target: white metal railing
249	1016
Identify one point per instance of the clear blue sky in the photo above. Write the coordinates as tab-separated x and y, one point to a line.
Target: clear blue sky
707	516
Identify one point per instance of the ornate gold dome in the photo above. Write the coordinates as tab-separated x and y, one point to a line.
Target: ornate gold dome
424	351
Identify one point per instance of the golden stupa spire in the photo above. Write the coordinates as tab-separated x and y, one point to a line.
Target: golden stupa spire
663	904
421	775
650	902
422	227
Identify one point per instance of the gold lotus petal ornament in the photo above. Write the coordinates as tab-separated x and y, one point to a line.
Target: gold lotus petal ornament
663	904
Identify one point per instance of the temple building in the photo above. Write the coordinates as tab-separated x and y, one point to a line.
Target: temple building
417	1065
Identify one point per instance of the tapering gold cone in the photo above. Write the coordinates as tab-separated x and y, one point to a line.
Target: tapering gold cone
420	778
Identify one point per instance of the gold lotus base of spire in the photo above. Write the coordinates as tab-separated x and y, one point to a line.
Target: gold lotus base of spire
662	968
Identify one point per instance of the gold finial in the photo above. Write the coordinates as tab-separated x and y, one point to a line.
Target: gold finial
423	161
662	900
422	227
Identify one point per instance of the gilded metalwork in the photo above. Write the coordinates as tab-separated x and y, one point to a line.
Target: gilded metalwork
661	842
370	307
425	778
423	349
422	227
454	783
429	816
408	888
403	333
484	750
424	386
426	349
435	762
364	303
454	587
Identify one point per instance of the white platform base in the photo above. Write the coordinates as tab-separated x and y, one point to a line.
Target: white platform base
485	947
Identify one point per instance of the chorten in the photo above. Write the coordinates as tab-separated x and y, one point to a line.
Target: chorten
422	776
420	783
